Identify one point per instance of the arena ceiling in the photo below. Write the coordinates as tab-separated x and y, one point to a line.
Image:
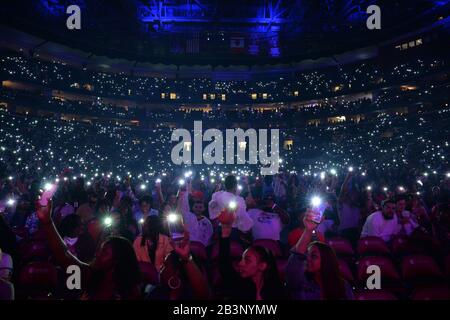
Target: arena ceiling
217	32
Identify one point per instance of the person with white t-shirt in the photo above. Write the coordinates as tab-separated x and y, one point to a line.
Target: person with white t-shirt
199	226
383	224
404	216
229	199
268	221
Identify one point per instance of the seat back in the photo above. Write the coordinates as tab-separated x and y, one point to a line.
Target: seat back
372	246
271	245
388	272
420	268
341	246
40	274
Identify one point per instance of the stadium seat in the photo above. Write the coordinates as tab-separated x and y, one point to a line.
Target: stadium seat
198	250
375	295
271	245
345	271
236	251
341	246
38	279
149	273
389	274
372	246
401	246
420	269
439	292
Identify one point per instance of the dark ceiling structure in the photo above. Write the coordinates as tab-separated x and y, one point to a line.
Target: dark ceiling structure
214	32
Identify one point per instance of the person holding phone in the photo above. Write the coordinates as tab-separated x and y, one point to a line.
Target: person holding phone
312	272
256	277
198	225
114	273
152	246
221	200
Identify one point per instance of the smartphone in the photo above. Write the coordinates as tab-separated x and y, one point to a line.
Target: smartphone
47	195
318	207
176	227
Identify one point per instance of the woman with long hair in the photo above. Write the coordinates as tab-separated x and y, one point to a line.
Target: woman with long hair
114	273
152	246
312	272
257	275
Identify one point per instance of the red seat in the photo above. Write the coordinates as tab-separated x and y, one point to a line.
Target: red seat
34	250
401	246
372	246
41	274
149	273
419	267
198	250
341	246
375	295
388	272
346	273
269	244
236	251
441	292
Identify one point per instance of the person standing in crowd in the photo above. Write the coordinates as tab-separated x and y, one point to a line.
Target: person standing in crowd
114	273
144	209
198	225
257	277
86	211
269	219
312	272
349	210
221	200
296	233
152	246
181	278
126	224
383	224
405	218
6	272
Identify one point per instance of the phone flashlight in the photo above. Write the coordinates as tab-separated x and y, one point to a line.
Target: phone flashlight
318	209
350	169
50	190
158	180
141	221
108	221
10	202
175	224
232	205
181	182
